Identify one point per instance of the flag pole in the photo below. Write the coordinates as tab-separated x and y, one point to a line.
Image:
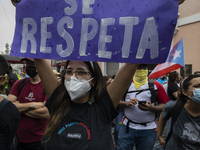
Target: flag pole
184	72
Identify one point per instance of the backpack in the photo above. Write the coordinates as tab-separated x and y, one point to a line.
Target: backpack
175	113
151	89
14	143
153	99
21	86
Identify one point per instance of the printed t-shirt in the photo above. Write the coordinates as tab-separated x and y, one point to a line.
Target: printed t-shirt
172	87
30	129
139	116
87	127
186	129
9	121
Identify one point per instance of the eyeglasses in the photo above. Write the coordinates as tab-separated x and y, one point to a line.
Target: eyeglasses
80	74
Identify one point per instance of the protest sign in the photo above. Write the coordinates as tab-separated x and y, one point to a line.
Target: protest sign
134	31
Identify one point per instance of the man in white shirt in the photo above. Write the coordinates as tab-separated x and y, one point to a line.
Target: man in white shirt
139	121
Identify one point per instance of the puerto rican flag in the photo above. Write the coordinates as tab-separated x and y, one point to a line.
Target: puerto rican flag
174	61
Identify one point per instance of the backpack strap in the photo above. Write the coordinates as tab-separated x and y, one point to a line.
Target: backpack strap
3	103
21	85
175	113
152	90
44	92
127	91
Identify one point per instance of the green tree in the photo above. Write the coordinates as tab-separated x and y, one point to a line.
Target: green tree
7	51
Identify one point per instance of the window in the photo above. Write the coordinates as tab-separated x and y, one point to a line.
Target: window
112	68
186	71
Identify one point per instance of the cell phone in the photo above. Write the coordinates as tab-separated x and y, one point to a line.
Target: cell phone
142	103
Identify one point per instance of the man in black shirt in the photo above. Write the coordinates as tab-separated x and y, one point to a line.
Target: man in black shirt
9	115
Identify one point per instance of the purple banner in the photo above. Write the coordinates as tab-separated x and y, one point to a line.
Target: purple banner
134	31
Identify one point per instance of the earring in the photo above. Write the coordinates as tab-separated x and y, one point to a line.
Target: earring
91	101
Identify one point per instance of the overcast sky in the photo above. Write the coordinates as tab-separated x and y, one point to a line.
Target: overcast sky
7	23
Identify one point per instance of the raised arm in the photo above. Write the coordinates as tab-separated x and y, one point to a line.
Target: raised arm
47	76
118	87
15	1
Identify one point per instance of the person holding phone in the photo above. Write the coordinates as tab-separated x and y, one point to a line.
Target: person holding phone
139	121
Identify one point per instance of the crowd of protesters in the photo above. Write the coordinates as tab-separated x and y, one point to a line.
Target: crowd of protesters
59	123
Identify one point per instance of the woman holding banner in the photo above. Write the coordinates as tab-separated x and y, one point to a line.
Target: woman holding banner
81	107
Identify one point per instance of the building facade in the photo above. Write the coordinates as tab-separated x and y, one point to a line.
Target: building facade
188	27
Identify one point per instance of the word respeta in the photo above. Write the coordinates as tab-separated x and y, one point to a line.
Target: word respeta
148	40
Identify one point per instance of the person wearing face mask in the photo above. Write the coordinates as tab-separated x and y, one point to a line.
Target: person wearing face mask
139	121
10	78
30	101
81	105
186	129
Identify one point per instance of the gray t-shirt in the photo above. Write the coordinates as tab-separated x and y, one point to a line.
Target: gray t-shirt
186	130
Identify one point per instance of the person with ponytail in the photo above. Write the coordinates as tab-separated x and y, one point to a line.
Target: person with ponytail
186	129
172	90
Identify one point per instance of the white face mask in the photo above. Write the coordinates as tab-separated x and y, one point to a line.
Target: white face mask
77	88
